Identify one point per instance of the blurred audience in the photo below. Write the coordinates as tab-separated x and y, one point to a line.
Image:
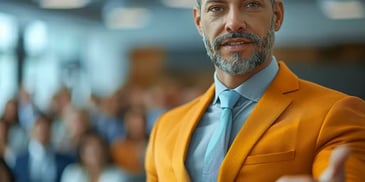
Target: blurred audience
35	142
26	109
17	135
155	103
78	122
61	103
40	159
128	153
94	163
5	173
6	152
60	108
107	119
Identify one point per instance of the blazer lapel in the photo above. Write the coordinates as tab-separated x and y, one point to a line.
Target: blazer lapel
267	110
191	118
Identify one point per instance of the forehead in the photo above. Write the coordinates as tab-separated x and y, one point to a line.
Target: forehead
205	1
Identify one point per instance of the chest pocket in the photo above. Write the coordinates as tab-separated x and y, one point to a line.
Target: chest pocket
269	158
277	144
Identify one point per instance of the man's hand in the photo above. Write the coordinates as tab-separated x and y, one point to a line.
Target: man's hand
335	172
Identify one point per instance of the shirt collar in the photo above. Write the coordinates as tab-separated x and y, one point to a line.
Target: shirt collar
254	87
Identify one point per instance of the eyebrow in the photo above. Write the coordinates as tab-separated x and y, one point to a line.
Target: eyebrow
214	1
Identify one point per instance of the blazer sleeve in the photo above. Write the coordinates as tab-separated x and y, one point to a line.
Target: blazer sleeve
344	124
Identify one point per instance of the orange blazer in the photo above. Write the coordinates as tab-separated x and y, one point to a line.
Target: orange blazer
292	130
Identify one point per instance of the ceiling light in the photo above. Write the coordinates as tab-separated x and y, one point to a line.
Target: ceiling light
63	4
36	37
179	3
8	32
126	18
343	9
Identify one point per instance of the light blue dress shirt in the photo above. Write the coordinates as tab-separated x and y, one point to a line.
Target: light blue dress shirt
43	167
251	91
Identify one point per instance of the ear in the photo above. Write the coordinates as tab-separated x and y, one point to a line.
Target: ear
197	19
278	14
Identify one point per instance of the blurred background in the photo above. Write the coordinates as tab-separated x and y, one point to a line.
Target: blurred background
91	62
96	46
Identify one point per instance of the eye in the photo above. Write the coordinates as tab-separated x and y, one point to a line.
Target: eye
215	9
253	4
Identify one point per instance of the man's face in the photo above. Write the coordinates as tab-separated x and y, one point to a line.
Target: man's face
42	131
237	34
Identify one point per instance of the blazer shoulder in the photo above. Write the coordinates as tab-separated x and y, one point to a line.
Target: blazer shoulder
318	91
321	98
181	110
307	92
189	112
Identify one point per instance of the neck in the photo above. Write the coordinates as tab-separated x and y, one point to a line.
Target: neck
95	171
233	81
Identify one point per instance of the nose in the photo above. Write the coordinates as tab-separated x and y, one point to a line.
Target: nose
235	21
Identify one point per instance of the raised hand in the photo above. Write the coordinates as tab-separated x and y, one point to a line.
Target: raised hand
335	171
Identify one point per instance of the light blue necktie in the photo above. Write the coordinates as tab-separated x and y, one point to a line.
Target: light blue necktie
218	144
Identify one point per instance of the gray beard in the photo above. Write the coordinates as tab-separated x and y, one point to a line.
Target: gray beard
235	64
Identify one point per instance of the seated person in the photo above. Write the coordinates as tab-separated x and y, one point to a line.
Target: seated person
40	163
94	164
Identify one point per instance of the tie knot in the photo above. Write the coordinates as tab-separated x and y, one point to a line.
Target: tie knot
228	98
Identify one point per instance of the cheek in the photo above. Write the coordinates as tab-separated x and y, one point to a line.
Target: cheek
212	29
259	25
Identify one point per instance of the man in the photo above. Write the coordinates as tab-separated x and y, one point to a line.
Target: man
283	128
40	163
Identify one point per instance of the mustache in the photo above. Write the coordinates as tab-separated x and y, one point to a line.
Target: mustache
252	37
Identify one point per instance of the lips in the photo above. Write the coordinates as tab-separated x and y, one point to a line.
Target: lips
236	42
